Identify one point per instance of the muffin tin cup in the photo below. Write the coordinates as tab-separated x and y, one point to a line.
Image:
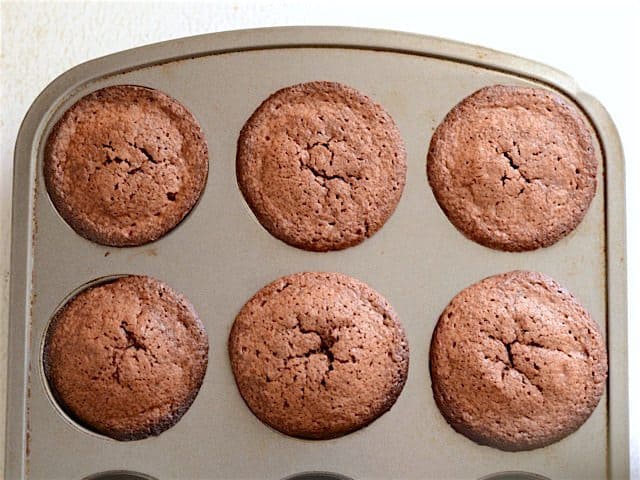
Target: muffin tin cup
219	256
118	475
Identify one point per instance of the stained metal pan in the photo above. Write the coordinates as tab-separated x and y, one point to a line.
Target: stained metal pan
219	256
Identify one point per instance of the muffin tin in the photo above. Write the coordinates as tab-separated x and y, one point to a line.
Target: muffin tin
220	255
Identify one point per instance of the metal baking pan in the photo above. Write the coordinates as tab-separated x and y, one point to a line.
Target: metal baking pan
220	255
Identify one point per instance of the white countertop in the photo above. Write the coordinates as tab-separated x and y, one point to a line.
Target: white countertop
595	42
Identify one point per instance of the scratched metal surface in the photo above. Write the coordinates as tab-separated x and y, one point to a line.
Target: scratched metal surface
220	255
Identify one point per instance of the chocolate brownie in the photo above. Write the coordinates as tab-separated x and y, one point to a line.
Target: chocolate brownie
125	164
516	362
318	355
513	168
321	165
126	358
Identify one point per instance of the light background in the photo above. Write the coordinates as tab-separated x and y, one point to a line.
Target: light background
595	42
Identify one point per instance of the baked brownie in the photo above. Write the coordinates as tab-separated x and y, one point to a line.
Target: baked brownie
514	168
126	358
125	164
318	355
321	165
516	362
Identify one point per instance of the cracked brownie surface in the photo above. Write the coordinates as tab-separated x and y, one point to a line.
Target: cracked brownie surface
513	168
516	362
318	355
321	165
126	358
125	164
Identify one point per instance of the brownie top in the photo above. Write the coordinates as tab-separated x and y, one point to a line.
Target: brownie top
321	165
516	362
125	164
318	355
126	358
513	168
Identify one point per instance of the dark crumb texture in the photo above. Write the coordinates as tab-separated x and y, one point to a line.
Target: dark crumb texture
125	164
321	165
513	168
126	359
318	355
516	362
